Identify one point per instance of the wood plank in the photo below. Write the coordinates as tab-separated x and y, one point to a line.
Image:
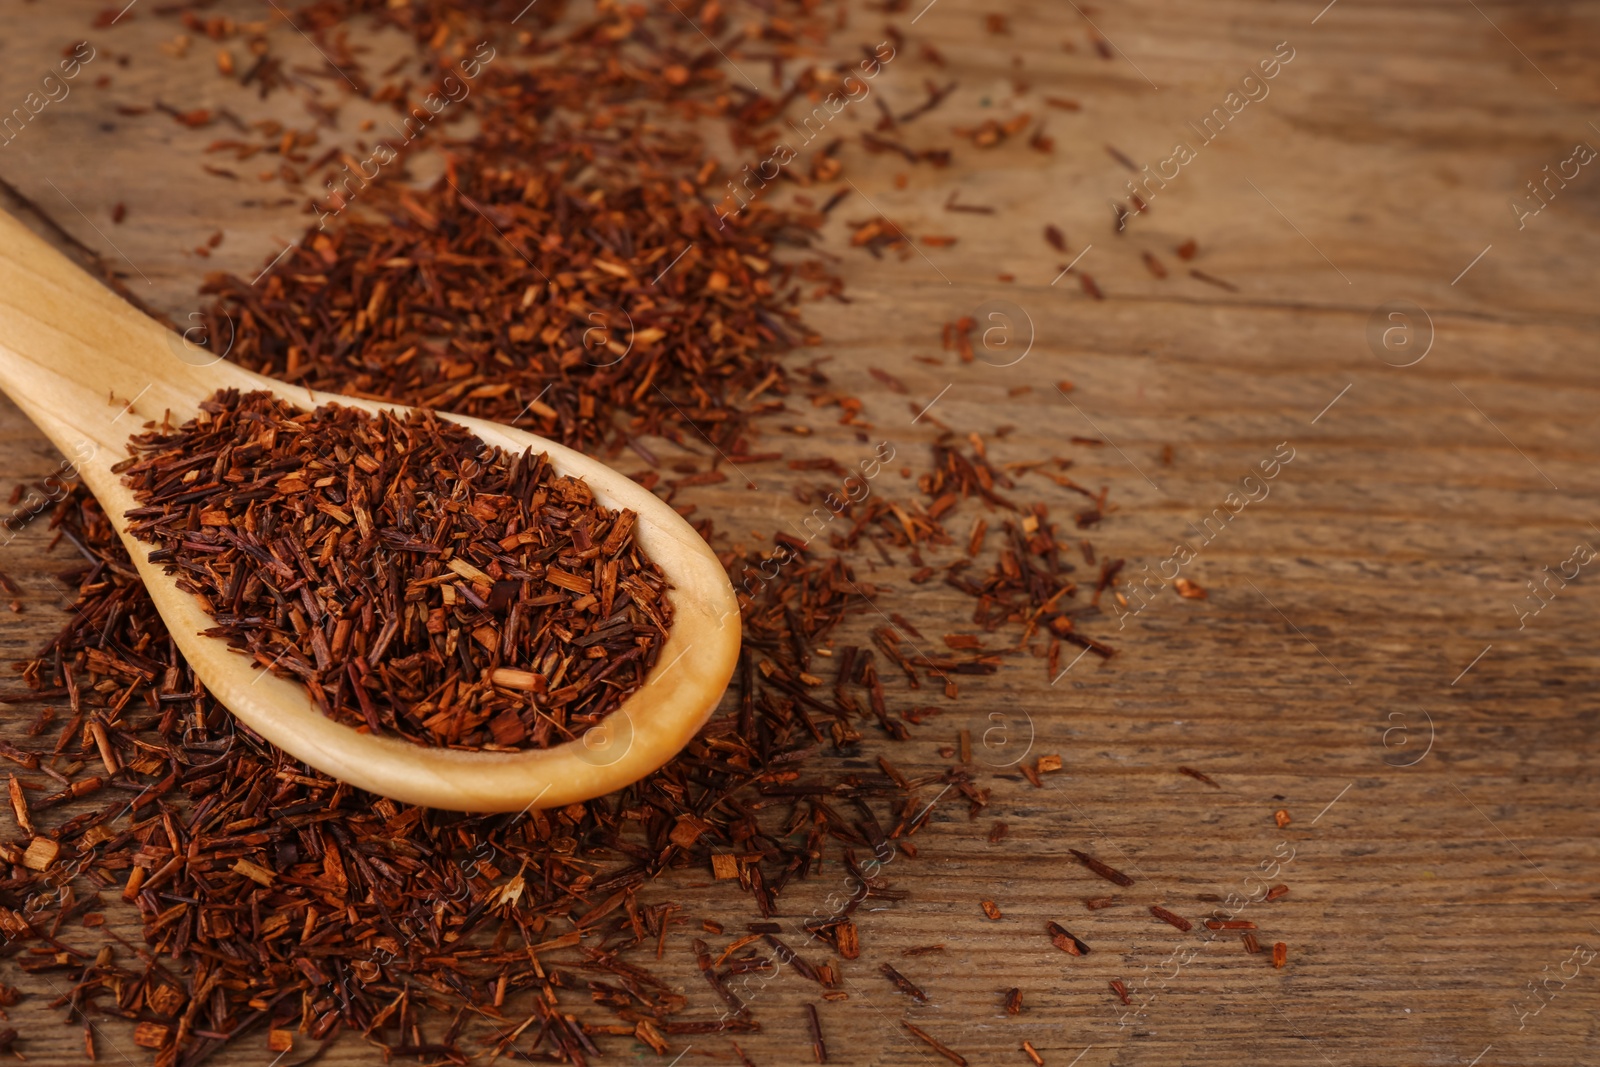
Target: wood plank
1344	607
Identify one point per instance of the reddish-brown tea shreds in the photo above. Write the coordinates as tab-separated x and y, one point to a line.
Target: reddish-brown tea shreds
848	940
990	909
819	1049
1280	954
1276	891
928	1039
1251	945
1166	916
1096	903
1198	776
1187	589
647	303
1121	990
476	295
151	1035
18	756
1106	871
1281	817
1064	940
1013	1001
417	582
1032	1054
902	983
788	955
422	882
40	854
19	805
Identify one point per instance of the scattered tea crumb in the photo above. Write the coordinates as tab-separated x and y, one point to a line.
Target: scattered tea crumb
933	1043
1104	870
1066	941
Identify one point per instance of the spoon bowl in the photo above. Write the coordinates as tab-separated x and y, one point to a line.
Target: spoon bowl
90	370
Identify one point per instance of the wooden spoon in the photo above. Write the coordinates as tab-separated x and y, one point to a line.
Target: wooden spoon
89	369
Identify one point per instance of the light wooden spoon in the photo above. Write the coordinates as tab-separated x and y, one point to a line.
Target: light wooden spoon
68	346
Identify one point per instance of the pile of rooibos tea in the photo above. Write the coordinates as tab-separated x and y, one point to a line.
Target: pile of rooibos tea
418	582
578	269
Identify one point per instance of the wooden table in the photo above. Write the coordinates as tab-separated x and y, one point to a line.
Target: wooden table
1361	661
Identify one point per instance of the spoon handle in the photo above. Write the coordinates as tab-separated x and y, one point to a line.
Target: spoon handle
87	367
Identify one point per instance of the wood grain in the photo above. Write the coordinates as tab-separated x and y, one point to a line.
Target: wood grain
1343	608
